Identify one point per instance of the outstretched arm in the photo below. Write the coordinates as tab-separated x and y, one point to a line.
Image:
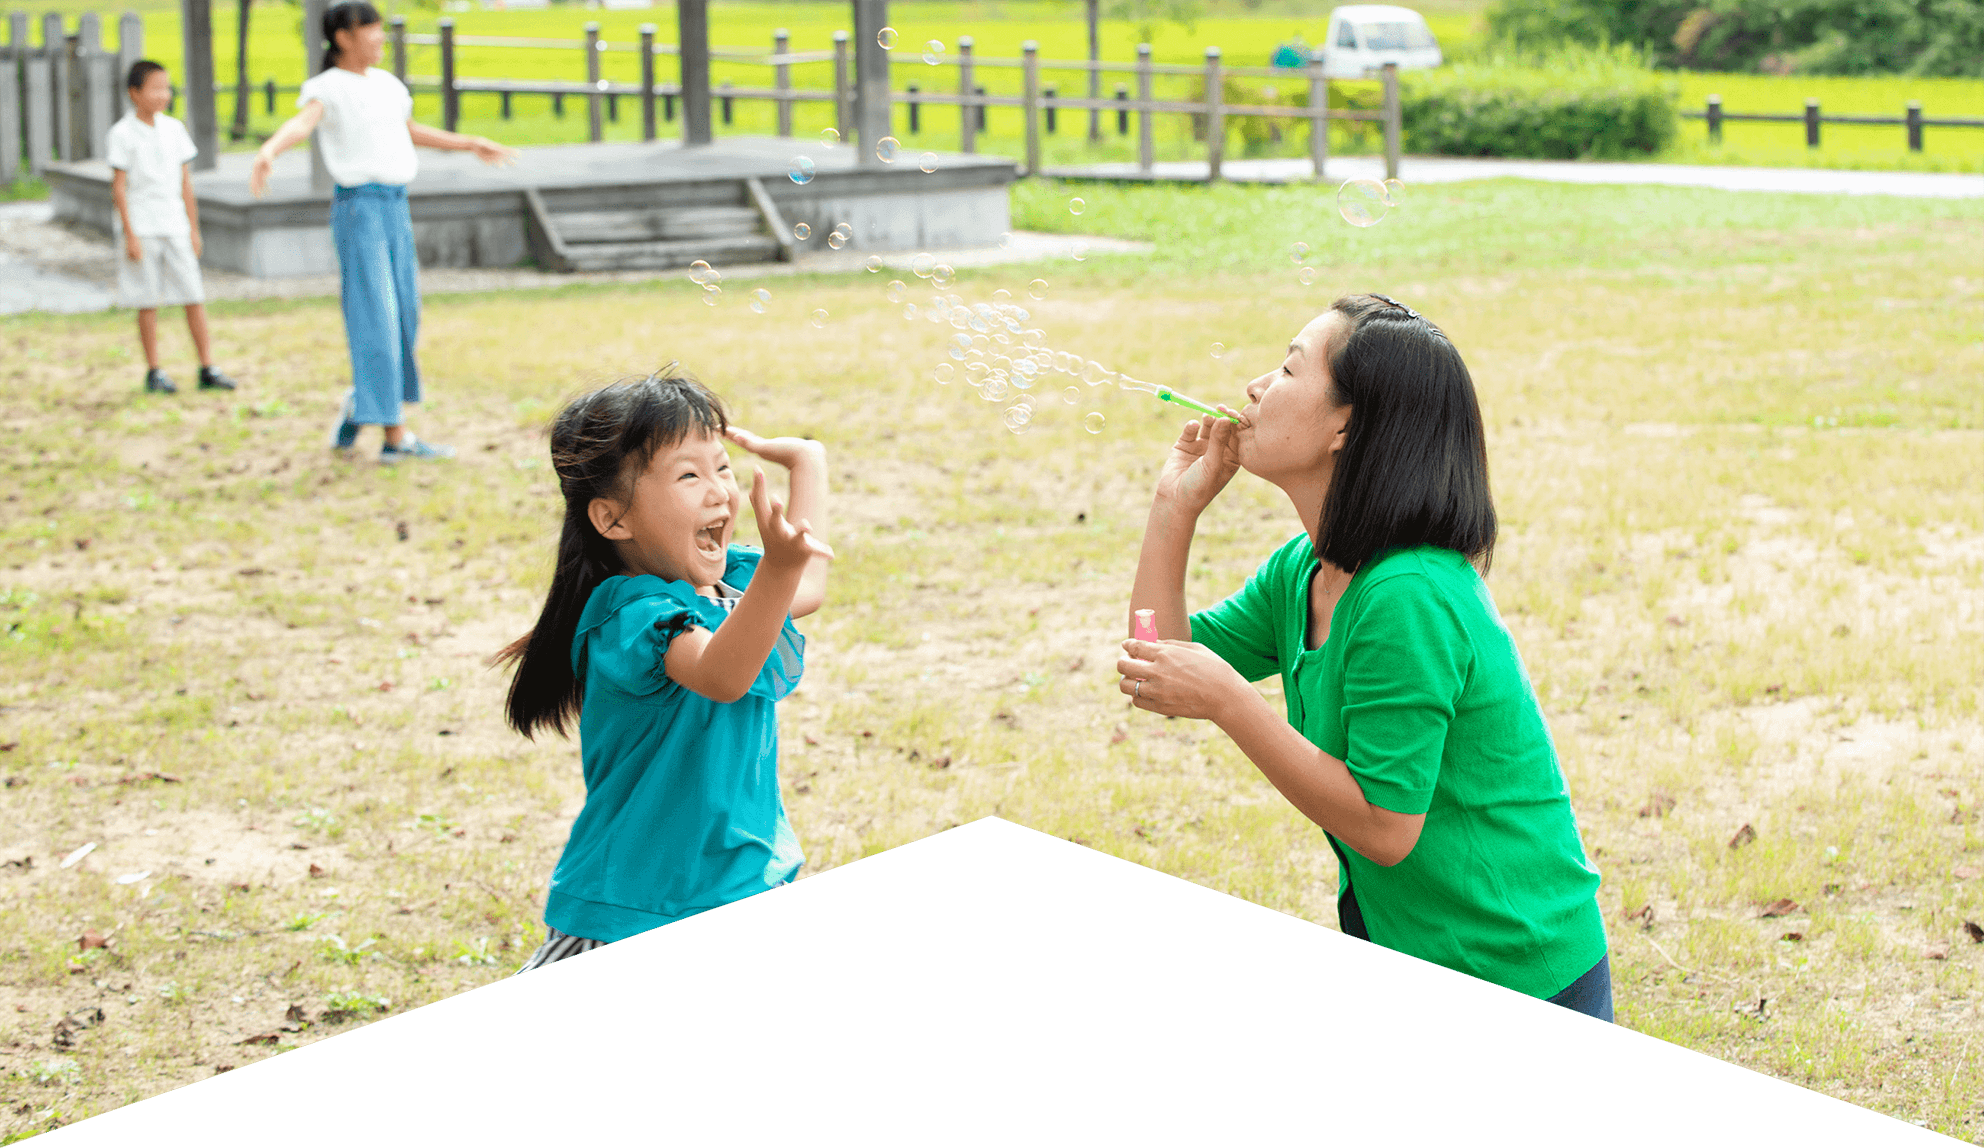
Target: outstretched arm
294	131
486	150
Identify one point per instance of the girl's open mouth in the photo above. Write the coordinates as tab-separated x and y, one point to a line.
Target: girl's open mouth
709	539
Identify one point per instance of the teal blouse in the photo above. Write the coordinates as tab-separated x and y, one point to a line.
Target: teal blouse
683	811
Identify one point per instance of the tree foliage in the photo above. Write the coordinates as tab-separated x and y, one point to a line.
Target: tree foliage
1829	37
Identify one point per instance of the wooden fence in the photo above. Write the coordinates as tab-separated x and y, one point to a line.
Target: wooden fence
58	98
1912	120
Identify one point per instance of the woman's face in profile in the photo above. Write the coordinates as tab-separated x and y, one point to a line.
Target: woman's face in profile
1293	428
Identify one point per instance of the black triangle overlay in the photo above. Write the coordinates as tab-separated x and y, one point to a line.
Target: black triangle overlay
996	936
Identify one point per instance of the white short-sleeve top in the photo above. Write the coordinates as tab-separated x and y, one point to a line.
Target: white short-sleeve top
363	133
152	157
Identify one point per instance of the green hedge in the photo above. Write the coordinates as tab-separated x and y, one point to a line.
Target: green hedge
1580	104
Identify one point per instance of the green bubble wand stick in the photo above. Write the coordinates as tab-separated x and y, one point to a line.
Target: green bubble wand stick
1166	394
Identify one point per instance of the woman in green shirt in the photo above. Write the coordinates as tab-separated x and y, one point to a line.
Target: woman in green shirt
1413	737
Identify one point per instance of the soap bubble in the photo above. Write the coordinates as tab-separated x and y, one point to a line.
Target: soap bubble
712	294
1072	395
928	163
801	170
829	137
1298	252
1037	289
959	346
1002	296
1394	193
699	272
909	312
873	264
1016	418
1218	349
942	275
836	240
1077	205
994	389
1093	423
760	299
923	265
1005	241
1361	202
820	317
896	291
944	373
887	149
886	37
1092	372
975	373
1306	276
1078	252
933	52
802	232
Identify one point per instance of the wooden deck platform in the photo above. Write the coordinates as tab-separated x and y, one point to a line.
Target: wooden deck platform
591	206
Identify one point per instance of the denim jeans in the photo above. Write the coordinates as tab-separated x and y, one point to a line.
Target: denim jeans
1590	994
378	284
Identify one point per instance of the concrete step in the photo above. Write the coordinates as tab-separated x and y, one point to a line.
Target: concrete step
650	255
656	223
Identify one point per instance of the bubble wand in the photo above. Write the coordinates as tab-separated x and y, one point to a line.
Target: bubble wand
1166	394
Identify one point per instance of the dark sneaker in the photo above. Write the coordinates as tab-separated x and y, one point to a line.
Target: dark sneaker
413	448
344	435
213	380
158	384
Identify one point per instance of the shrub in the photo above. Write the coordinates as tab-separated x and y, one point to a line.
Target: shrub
1579	104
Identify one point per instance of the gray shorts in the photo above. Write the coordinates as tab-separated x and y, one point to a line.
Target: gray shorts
167	276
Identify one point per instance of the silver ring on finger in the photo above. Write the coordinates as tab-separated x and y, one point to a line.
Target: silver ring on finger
1139	690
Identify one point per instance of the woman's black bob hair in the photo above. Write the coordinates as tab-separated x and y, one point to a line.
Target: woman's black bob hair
1414	469
341	16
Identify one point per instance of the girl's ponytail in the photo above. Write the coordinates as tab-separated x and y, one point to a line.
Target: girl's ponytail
599	443
339	17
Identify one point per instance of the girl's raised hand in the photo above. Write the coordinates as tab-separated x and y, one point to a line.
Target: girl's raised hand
1200	464
787	452
789	544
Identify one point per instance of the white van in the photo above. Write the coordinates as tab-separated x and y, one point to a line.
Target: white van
1366	37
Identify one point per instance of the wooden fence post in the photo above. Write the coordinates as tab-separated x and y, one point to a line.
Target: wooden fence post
1031	100
1047	108
782	80
1915	125
1215	106
1122	113
55	49
595	129
99	88
1714	118
313	63
843	116
1811	123
130	49
1319	114
38	96
397	33
10	97
967	112
450	99
648	131
1392	124
692	53
1146	147
196	22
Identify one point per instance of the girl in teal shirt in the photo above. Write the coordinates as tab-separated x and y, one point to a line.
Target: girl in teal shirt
671	648
1412	737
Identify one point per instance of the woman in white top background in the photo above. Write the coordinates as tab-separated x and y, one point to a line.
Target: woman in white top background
368	136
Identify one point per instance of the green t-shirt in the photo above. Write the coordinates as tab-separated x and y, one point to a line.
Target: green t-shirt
1420	692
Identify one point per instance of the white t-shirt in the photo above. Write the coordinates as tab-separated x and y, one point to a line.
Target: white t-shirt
152	157
363	133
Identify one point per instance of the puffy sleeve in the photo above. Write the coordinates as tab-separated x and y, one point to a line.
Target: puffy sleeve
626	649
1241	630
1406	661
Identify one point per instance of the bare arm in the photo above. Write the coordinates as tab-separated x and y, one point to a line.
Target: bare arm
293	131
722	666
1199	466
806	462
486	150
192	205
1185	679
133	250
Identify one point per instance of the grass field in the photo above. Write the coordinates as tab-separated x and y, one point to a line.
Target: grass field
1737	443
1247	35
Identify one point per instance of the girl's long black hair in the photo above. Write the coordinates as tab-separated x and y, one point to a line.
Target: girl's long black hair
341	16
599	443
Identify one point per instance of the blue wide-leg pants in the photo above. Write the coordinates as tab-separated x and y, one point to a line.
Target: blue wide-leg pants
379	286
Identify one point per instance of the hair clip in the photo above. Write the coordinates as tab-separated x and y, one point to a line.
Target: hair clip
1409	312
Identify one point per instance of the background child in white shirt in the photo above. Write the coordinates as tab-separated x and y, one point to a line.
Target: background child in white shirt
158	220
